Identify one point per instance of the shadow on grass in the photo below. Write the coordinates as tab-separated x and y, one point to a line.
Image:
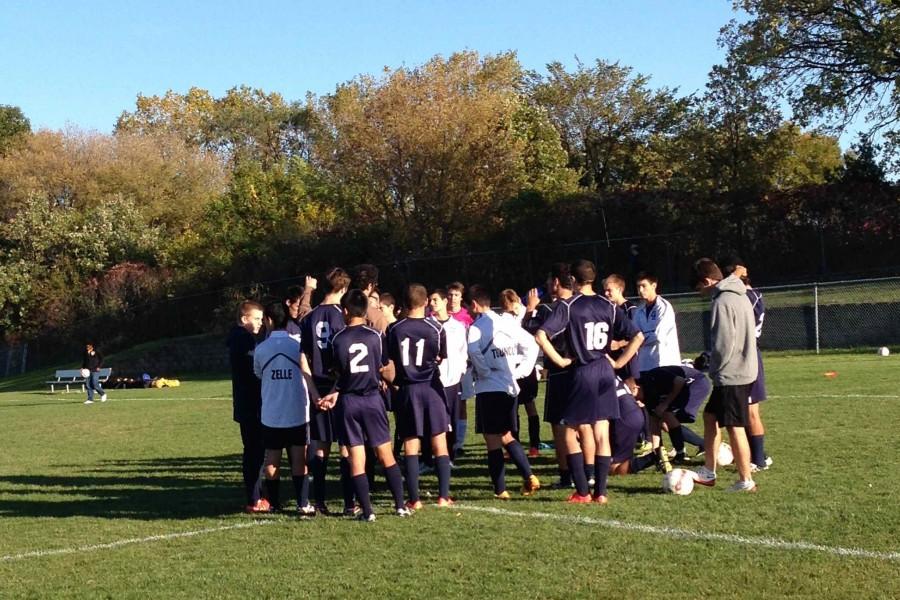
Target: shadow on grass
169	488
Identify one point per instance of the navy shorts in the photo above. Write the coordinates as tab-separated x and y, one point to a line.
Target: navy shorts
758	391
730	404
321	422
361	420
556	396
592	396
452	396
421	409
686	406
495	413
279	438
625	431
528	388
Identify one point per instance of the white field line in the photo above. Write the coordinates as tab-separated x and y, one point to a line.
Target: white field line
113	399
674	532
128	542
835	396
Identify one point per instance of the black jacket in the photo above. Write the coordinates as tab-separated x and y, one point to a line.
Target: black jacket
92	362
245	386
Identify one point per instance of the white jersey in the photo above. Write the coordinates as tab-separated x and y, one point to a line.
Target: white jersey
453	367
501	352
285	399
660	347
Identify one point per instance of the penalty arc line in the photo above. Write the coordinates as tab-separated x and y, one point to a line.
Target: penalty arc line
674	532
129	542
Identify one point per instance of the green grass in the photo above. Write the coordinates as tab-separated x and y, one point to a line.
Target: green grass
154	462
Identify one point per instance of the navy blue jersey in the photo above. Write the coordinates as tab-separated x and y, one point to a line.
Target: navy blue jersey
316	331
589	324
359	353
415	346
659	382
759	310
533	322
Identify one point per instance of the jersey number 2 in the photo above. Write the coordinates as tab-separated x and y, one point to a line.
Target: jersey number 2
358	353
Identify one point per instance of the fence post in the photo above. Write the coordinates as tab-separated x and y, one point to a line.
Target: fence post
816	313
24	357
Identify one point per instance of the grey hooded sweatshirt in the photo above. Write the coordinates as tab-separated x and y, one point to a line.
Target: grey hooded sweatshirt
732	335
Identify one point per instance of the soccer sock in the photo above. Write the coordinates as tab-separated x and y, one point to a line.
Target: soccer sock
497	469
517	454
442	465
576	468
361	487
301	482
691	438
395	483
346	483
317	466
461	426
757	450
639	463
565	477
412	477
534	431
272	489
250	470
588	472
601	473
677	439
646	436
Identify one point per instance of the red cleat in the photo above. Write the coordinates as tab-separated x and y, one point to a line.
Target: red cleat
577	498
445	502
600	499
261	506
534	453
417	505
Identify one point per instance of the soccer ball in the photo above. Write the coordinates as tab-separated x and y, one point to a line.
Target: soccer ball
85	373
725	456
679	482
883	351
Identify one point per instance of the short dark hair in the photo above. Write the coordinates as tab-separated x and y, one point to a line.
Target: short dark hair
584	272
356	303
562	272
276	313
338	279
294	293
731	264
246	306
646	276
480	294
365	275
415	296
387	299
706	268
440	292
456	286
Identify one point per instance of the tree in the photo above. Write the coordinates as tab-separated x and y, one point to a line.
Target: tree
833	60
13	126
430	153
612	125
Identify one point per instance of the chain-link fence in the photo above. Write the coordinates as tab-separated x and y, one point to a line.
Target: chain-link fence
811	316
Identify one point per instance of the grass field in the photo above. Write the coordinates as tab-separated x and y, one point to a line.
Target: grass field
139	497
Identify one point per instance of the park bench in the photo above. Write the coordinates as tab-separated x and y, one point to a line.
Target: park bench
69	377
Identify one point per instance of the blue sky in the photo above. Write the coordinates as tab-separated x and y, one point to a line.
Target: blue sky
83	63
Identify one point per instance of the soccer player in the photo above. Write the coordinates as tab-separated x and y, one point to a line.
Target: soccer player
674	395
624	433
316	331
388	305
416	345
501	352
454	367
655	318
756	432
92	361
457	311
589	322
362	366
246	402
298	302
556	395
279	364
732	368
614	289
365	278
528	385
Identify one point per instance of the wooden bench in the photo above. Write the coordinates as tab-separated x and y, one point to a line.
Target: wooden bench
69	377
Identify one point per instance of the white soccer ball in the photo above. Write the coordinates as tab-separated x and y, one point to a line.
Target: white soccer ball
679	482
725	456
884	351
85	373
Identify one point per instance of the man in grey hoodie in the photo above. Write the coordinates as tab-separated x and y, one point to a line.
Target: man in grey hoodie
732	368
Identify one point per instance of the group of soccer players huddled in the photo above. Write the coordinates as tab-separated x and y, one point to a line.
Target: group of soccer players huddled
615	381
